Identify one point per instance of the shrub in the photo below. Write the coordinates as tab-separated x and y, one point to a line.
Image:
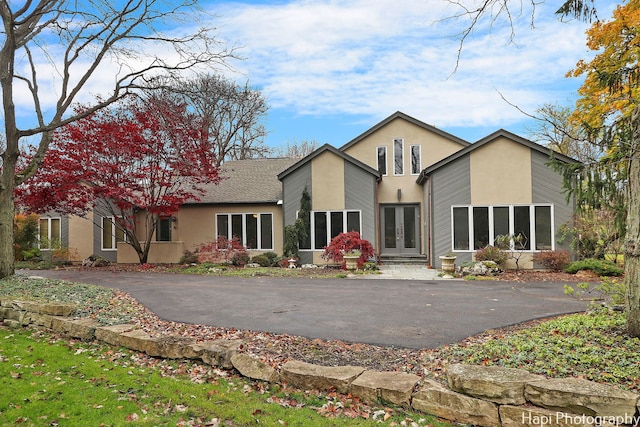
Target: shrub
556	260
25	236
189	257
598	266
492	253
267	259
222	250
346	242
240	257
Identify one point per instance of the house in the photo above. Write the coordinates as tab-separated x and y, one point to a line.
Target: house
412	190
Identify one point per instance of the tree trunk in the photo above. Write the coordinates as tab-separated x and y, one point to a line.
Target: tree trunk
632	246
6	233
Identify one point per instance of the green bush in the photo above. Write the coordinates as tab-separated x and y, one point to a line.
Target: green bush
267	259
598	266
492	253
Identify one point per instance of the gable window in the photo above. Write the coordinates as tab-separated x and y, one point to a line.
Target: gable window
398	156
325	225
163	229
382	160
415	160
49	233
111	234
475	227
253	230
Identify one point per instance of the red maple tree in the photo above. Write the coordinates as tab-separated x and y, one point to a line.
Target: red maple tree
137	161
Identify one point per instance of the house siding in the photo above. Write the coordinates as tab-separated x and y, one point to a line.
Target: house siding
546	185
292	187
449	186
360	194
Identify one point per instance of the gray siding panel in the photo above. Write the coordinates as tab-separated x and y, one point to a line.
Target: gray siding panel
547	188
292	187
360	194
451	185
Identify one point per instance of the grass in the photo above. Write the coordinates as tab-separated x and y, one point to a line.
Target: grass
591	345
56	381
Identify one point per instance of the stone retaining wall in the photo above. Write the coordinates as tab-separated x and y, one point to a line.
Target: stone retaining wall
478	395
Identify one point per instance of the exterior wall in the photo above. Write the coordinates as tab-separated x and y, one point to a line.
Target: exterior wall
403	188
497	164
327	174
522	178
360	193
450	185
80	247
195	225
337	185
292	188
547	184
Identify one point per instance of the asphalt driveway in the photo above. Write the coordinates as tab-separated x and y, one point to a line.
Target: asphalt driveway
399	313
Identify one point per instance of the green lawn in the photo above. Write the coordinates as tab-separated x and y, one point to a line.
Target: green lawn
50	381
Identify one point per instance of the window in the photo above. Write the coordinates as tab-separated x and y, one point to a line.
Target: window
415	160
111	234
253	230
475	227
382	160
49	232
325	225
163	229
398	156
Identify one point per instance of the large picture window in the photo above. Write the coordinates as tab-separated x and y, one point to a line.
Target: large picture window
325	225
111	234
49	232
474	227
253	230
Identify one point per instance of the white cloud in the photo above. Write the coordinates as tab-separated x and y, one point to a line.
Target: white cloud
371	58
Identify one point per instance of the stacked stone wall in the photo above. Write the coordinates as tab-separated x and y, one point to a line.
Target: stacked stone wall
477	395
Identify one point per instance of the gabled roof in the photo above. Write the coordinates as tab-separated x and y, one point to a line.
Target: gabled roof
403	116
333	150
251	181
486	140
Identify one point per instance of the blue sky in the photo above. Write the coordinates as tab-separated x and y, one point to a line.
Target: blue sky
331	69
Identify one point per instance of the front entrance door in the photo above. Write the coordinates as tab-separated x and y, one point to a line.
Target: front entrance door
400	229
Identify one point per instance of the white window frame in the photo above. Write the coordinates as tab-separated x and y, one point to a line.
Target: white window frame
312	233
114	239
398	154
244	228
49	219
532	226
386	159
419	169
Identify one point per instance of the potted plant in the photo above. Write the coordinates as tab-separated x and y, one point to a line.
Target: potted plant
448	262
351	259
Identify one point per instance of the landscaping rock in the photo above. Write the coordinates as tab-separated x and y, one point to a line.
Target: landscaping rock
308	376
251	367
582	397
435	399
219	352
84	329
43	320
139	340
177	347
493	383
531	416
111	334
392	387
